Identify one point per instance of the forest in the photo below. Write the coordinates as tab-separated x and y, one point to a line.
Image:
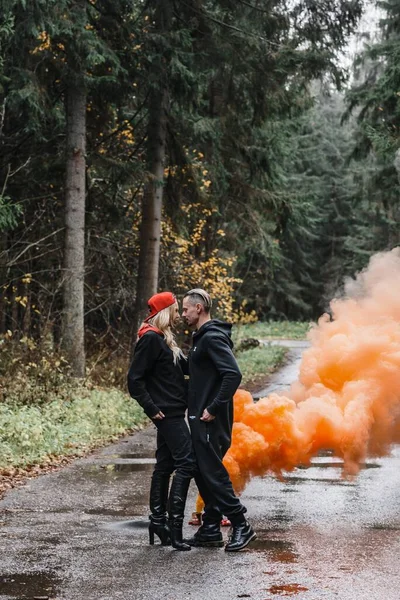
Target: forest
223	144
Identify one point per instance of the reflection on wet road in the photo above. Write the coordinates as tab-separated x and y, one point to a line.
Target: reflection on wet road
341	536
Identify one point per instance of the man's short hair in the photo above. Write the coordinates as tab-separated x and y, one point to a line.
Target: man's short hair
199	296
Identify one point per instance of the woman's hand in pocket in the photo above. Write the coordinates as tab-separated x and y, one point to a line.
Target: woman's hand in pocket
160	415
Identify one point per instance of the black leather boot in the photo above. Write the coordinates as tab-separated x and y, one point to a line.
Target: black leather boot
242	534
161	530
207	536
158	507
176	510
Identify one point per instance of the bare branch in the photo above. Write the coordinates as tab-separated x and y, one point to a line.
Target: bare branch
31	245
12	173
26	163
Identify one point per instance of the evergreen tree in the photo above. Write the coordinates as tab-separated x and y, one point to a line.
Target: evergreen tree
322	182
158	111
63	55
374	98
259	74
220	87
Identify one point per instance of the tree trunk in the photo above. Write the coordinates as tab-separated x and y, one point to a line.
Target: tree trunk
150	228
74	258
3	271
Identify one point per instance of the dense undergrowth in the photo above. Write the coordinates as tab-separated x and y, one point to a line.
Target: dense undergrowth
31	433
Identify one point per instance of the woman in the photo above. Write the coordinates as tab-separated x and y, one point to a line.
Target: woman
156	380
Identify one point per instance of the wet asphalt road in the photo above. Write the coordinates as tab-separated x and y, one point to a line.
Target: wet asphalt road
80	534
283	378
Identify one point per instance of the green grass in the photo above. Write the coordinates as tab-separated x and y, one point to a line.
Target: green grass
290	330
29	433
257	363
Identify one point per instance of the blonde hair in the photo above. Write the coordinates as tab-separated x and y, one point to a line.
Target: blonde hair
162	320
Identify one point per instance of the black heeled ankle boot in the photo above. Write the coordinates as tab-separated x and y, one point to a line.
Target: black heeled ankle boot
176	510
162	531
158	507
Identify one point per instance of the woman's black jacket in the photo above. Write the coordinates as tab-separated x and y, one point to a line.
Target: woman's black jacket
153	379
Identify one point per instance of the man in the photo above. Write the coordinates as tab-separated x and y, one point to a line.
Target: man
214	377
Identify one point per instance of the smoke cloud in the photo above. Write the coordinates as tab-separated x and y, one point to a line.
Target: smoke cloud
347	398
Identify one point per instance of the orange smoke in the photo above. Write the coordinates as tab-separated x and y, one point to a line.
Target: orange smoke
347	398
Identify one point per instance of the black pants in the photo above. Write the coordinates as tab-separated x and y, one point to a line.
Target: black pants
210	445
174	447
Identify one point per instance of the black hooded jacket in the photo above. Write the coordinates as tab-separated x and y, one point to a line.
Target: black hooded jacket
154	380
213	371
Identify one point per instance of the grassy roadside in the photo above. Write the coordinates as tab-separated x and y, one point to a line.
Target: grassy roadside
257	363
33	434
272	330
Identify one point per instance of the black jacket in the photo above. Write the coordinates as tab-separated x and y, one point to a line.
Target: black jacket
153	379
213	370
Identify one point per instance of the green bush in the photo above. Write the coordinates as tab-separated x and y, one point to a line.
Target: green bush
31	373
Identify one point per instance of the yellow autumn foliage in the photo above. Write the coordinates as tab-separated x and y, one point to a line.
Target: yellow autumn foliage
188	264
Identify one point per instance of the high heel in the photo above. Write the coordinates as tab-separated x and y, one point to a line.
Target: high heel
158	505
162	531
151	537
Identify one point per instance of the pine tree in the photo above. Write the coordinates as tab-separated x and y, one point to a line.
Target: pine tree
158	111
62	56
259	62
374	99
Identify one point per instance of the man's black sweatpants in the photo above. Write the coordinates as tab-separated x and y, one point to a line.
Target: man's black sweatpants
210	444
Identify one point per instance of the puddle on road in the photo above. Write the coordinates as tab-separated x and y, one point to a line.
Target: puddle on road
281	518
122	525
338	482
29	585
288	589
336	465
383	527
277	550
135	456
128	467
49	540
112	512
285	556
121	467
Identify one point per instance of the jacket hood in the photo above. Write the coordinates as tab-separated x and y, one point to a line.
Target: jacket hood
215	326
145	328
